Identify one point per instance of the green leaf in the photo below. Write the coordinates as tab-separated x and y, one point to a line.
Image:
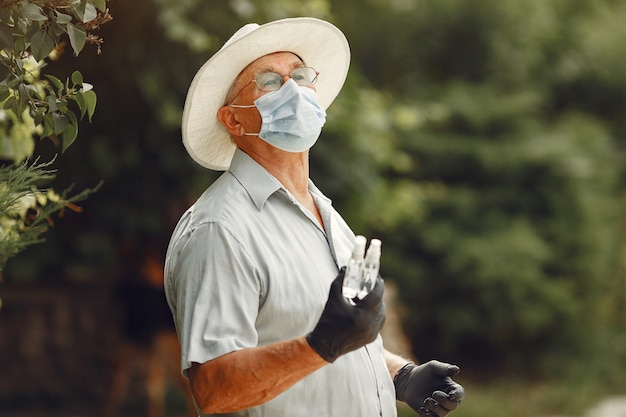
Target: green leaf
78	37
90	101
78	9
62	103
31	29
69	136
84	11
5	14
80	99
37	115
23	97
19	46
57	30
10	104
48	125
90	13
55	81
62	18
33	91
41	44
99	4
22	25
60	122
52	104
32	12
6	37
73	119
77	78
70	133
4	92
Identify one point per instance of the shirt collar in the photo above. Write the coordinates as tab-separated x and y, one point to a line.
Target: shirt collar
259	183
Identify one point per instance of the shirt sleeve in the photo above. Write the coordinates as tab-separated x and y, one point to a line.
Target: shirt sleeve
214	292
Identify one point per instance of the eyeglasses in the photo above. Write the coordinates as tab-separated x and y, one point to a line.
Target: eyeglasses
272	81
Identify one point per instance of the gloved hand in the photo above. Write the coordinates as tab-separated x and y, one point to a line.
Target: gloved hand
343	327
429	388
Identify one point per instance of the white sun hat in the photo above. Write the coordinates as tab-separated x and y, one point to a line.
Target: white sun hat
320	44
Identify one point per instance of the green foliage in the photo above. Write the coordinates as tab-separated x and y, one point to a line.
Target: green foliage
31	34
27	208
515	148
525	230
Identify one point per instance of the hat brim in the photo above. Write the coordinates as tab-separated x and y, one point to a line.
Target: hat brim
320	44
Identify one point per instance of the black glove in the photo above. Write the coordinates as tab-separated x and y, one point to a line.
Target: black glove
343	327
429	388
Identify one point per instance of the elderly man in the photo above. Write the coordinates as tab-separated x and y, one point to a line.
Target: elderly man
254	271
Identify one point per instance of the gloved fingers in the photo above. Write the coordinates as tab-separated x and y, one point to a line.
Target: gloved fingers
448	402
444	369
375	296
435	408
424	412
457	393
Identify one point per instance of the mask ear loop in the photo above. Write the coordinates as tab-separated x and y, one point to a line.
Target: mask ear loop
245	106
242	106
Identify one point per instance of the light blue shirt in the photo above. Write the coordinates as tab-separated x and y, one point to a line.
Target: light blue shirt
247	266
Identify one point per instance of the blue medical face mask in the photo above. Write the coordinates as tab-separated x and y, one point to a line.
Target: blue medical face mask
292	119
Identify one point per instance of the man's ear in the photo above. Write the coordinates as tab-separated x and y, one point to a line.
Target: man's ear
228	118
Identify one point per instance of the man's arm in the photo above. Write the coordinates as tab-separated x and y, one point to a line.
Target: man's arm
394	363
252	376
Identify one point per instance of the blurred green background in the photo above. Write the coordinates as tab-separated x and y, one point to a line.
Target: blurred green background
481	140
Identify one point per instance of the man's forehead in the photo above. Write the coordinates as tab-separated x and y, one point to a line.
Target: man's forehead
267	60
264	63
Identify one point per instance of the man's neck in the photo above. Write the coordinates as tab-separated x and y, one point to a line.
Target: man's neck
290	169
294	176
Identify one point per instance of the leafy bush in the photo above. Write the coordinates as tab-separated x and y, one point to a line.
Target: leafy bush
31	33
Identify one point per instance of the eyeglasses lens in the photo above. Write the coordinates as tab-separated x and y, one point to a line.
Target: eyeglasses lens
271	81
